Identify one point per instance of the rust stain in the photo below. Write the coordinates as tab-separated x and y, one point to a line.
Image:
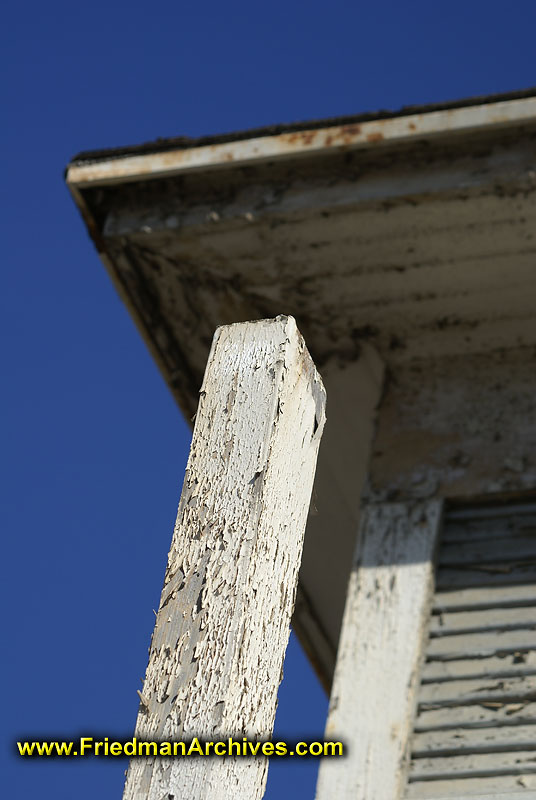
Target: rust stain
350	131
375	137
412	126
344	135
301	137
309	137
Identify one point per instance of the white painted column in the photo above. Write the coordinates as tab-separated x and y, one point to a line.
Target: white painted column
221	632
381	644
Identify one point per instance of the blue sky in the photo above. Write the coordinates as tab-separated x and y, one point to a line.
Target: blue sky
93	445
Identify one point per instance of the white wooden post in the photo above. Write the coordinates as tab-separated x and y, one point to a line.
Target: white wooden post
377	672
221	632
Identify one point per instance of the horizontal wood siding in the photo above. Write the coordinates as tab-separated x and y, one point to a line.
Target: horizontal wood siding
475	731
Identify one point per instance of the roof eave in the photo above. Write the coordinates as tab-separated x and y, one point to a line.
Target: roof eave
315	141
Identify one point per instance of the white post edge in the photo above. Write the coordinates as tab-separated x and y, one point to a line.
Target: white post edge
377	672
216	656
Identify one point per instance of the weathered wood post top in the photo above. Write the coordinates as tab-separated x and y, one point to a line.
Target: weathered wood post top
222	628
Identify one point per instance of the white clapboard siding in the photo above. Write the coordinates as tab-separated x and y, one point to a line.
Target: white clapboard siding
217	650
477	715
474	599
376	677
478	690
476	765
479	527
477	645
460	741
507	574
495	551
475	730
502	619
495	787
505	665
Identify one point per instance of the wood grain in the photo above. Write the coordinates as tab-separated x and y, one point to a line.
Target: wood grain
216	655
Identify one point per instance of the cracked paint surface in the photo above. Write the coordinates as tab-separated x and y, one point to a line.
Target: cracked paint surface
216	655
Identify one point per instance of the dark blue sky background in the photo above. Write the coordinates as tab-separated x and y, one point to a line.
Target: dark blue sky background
93	446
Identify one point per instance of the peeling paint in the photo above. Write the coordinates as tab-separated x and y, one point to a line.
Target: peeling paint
458	427
222	628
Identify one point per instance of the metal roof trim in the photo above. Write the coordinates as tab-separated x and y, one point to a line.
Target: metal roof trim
309	142
183	142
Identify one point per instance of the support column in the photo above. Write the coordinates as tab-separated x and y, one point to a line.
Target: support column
221	632
381	644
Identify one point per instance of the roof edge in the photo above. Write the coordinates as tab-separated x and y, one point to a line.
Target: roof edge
162	145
